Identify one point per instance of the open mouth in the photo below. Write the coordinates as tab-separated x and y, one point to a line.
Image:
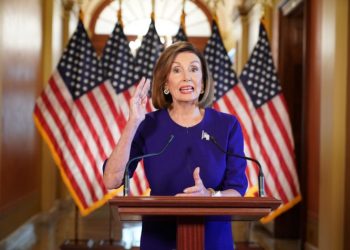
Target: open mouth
186	89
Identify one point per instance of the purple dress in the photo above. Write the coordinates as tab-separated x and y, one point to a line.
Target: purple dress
172	171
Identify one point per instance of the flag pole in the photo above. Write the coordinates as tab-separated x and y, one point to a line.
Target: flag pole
265	5
76	225
111	238
153	10
76	212
119	15
213	12
81	13
183	16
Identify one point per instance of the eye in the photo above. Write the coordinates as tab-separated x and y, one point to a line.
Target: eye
194	69
176	69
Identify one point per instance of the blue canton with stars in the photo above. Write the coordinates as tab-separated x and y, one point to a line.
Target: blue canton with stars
79	65
219	64
118	62
180	35
259	74
148	53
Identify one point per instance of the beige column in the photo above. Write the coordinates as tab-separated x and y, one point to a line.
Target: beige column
65	29
48	168
67	8
242	50
333	123
55	38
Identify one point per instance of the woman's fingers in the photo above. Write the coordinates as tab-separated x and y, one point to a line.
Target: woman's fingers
139	100
198	187
144	92
196	177
193	189
139	86
141	93
142	88
145	88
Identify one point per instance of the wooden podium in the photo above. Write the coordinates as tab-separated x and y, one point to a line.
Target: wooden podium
190	212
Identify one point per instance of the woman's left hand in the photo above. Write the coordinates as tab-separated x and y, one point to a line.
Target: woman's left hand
198	189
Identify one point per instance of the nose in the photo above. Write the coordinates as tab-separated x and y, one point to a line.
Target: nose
187	77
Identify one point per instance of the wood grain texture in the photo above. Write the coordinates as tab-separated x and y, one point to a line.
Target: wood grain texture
21	55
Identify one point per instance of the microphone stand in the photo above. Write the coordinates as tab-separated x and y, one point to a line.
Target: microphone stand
126	189
261	181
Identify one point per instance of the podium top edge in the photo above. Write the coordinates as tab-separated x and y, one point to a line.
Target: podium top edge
195	201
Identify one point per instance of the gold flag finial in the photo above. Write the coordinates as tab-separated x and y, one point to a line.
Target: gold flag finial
153	10
265	15
119	14
214	10
81	14
183	16
265	4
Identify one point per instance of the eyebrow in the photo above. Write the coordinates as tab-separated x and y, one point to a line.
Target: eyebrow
194	61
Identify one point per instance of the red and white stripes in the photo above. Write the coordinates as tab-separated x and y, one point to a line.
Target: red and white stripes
82	133
268	138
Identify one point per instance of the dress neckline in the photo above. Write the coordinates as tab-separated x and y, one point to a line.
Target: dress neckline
184	127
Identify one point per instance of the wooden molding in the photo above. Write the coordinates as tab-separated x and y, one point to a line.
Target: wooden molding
287	6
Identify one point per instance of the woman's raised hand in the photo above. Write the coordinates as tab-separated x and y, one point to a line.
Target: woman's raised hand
139	100
198	189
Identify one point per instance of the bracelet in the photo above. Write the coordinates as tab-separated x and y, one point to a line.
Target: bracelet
214	193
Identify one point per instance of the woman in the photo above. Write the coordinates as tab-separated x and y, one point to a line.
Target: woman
182	90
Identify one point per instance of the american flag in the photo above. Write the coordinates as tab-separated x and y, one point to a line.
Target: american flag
119	69
147	56
230	97
73	114
272	125
180	35
148	53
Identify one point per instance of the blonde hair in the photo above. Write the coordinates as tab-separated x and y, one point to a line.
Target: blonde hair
162	69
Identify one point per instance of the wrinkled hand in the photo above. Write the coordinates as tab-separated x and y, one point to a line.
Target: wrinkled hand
138	101
198	189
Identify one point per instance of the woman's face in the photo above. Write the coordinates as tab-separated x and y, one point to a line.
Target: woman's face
185	78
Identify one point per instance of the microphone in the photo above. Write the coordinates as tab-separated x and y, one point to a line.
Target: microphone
207	137
126	188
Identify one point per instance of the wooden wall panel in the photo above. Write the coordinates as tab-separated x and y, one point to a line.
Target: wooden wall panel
313	81
290	73
347	173
333	89
21	81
